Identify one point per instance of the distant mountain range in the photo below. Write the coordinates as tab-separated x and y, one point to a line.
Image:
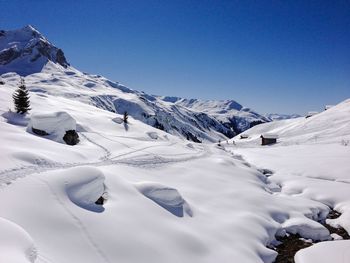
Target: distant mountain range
28	53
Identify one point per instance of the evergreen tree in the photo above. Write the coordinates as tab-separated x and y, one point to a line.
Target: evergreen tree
126	116
21	99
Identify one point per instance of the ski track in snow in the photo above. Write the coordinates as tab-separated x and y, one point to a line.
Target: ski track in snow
147	160
76	219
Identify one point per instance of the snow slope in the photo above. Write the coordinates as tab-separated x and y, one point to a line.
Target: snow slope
168	200
330	126
310	160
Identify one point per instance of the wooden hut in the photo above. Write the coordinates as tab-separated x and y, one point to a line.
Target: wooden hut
244	136
267	139
310	114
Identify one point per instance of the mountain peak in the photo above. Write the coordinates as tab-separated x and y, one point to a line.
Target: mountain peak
26	51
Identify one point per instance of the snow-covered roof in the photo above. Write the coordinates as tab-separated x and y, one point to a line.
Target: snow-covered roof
269	136
53	123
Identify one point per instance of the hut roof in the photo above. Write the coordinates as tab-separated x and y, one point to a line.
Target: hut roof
269	136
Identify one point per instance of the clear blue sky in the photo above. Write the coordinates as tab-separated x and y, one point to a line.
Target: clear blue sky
272	56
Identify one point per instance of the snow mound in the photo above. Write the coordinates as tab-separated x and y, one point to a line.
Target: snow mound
306	228
16	245
55	124
325	252
153	135
85	187
118	120
167	197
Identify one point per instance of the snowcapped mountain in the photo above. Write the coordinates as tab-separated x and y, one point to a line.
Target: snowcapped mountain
228	112
278	116
28	53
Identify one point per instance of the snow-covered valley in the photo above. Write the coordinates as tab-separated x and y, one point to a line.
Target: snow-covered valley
130	192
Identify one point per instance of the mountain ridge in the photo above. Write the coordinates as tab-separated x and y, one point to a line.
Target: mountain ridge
28	53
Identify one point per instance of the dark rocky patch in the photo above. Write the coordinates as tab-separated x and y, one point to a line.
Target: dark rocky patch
39	132
8	55
333	214
266	172
290	245
61	59
71	137
100	201
191	137
339	231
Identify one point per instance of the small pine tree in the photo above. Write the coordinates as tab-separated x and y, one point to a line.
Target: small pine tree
126	116
21	99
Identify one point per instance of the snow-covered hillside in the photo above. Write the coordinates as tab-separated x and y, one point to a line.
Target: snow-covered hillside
27	52
330	126
311	160
129	192
168	200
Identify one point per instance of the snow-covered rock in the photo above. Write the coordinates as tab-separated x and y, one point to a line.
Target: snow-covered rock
55	124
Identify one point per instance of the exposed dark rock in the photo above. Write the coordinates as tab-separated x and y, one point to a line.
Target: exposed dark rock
44	49
191	137
333	214
339	231
39	132
71	137
158	125
254	123
100	201
290	245
8	55
61	59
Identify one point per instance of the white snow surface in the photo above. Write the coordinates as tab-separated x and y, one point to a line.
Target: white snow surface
167	200
325	252
311	161
16	245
